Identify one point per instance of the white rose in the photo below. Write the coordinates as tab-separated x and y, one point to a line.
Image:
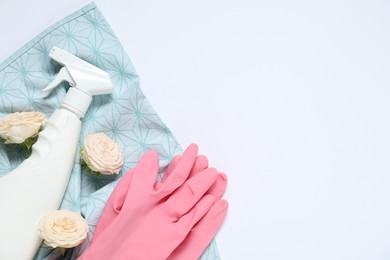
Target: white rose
15	128
63	228
102	154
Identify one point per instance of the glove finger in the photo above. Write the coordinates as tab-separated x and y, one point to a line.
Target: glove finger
114	203
202	233
173	163
200	164
181	172
145	172
187	222
185	197
219	186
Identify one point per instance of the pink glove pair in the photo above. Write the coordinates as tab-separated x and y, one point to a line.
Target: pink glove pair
174	219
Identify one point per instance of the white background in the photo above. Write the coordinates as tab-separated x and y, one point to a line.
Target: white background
290	98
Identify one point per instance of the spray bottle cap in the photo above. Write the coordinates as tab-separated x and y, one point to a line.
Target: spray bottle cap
85	80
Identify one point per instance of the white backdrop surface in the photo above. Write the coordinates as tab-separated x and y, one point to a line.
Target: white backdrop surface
290	98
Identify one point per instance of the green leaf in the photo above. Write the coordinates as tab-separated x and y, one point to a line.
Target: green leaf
87	169
62	250
25	149
27	144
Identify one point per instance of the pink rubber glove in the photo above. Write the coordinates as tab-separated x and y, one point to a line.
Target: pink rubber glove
155	224
117	198
200	236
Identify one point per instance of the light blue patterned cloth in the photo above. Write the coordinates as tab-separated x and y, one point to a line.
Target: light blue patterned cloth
126	115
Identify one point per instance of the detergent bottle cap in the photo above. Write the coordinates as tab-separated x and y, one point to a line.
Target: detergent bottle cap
85	79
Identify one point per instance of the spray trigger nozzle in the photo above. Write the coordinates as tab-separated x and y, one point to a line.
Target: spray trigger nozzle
63	75
85	79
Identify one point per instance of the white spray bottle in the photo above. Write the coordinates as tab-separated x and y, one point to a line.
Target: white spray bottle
38	185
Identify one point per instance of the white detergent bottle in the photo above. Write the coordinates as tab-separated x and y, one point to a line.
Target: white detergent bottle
38	185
